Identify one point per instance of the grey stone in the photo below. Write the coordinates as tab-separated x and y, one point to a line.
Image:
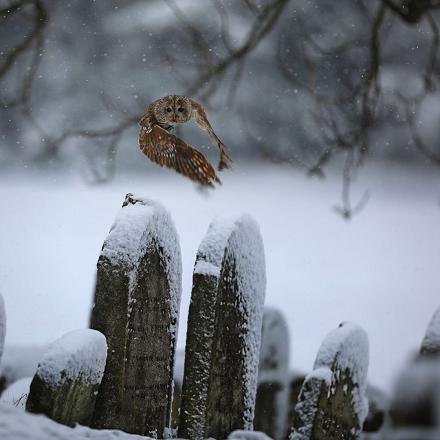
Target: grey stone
272	392
332	404
67	380
224	330
137	299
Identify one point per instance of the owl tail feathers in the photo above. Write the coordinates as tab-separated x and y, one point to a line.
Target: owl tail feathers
225	160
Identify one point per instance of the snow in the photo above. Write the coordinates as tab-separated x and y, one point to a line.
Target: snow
79	354
140	222
248	435
308	402
322	374
20	362
16	394
321	270
245	248
206	268
212	248
16	424
2	325
347	348
431	341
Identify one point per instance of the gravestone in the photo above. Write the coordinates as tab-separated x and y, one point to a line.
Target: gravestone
136	307
332	404
66	383
416	396
431	341
224	330
273	375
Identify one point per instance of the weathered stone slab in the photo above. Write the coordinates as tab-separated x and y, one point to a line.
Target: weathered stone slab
137	300
66	383
416	397
273	374
237	333
332	404
224	330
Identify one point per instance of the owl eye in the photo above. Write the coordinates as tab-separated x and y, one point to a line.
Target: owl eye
168	109
180	109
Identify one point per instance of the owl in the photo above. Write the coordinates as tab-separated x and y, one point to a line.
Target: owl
166	149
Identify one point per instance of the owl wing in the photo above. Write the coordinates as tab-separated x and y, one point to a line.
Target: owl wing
169	151
199	115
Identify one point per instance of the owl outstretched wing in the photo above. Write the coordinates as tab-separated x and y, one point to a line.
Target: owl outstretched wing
169	151
199	115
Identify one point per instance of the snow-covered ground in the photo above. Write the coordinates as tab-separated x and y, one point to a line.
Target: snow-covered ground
380	270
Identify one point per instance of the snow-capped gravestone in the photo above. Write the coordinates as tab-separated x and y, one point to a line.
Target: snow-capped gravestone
65	385
273	375
431	341
224	330
136	307
2	325
416	397
332	404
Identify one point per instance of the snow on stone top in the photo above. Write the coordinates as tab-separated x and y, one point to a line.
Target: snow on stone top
2	325
321	374
347	347
245	249
77	354
248	435
16	424
140	222
307	405
431	341
274	352
212	247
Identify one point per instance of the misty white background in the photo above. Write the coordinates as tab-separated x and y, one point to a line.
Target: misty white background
381	270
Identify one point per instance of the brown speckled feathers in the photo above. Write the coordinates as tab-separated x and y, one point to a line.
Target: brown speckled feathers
167	150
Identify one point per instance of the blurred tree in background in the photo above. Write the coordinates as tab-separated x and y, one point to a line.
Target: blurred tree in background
292	81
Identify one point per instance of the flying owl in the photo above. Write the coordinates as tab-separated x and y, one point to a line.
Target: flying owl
162	147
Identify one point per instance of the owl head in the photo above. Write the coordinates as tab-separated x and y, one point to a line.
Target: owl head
172	109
